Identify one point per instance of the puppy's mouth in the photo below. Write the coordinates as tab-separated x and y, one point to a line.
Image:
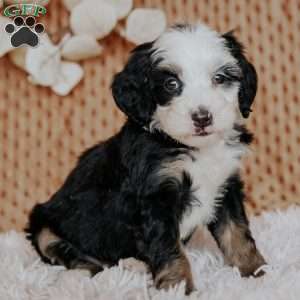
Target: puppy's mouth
202	132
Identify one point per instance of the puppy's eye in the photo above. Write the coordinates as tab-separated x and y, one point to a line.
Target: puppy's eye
172	85
219	79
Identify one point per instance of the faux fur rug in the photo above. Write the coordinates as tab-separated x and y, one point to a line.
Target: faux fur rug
24	277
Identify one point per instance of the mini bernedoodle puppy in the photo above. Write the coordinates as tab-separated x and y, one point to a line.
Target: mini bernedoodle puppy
174	165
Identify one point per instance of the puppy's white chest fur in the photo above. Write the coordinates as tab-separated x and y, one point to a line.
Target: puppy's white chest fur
209	169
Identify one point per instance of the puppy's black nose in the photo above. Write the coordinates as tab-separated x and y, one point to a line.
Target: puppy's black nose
202	118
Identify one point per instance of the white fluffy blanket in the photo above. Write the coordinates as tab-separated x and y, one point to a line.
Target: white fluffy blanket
24	277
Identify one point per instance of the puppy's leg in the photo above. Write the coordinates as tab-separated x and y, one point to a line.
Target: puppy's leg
232	234
159	242
173	271
238	246
57	251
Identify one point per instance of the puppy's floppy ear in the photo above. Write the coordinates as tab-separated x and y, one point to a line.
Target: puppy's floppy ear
132	88
248	84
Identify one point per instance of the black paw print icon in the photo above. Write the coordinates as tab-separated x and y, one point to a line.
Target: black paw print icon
24	32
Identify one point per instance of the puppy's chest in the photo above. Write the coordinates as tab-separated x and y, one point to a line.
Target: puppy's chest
208	171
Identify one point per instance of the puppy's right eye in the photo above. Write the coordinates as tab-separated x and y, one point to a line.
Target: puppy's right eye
219	79
172	85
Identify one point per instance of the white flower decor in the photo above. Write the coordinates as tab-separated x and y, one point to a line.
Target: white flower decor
90	21
93	17
70	4
122	7
5	45
73	50
144	25
43	63
69	76
45	67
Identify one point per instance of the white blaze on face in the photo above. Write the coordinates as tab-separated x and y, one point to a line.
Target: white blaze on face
196	54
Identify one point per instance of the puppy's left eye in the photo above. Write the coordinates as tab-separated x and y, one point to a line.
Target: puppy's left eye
172	85
219	79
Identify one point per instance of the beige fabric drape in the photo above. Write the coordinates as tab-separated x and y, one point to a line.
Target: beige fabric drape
41	134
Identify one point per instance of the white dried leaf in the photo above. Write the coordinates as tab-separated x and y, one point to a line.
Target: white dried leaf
18	57
122	7
93	17
145	25
70	4
69	76
43	62
80	47
5	44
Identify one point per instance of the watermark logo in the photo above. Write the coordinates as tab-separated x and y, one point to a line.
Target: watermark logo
24	9
24	29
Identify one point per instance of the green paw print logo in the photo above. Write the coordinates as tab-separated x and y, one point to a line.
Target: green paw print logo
24	29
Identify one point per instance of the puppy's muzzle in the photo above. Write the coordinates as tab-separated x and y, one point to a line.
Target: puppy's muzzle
202	118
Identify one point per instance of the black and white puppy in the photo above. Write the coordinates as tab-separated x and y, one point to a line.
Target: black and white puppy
173	166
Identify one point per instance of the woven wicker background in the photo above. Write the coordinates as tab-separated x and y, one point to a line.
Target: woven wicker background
41	134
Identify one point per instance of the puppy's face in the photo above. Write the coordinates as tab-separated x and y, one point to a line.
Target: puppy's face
192	83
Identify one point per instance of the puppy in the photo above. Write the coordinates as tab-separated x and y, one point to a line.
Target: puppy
173	166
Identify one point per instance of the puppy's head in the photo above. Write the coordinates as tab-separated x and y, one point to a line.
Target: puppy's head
192	83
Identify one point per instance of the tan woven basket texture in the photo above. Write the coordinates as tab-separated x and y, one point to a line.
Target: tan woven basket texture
42	134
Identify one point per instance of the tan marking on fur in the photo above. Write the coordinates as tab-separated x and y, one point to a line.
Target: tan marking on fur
93	269
132	264
174	272
45	238
240	251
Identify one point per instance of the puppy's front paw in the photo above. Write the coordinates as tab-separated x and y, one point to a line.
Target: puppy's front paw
167	282
250	267
173	273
